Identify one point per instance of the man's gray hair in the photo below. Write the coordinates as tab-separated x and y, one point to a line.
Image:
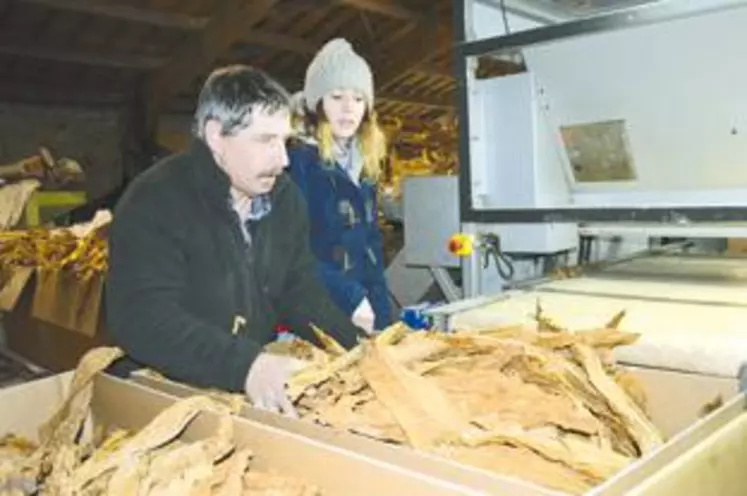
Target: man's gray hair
232	94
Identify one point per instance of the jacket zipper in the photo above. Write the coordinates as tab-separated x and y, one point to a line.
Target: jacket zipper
242	248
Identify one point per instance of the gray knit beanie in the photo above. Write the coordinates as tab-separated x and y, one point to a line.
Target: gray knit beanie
337	66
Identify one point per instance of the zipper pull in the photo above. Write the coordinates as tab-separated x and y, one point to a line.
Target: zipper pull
238	323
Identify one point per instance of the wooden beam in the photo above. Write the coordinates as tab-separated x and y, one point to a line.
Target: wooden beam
280	42
294	83
264	38
218	35
436	103
174	20
230	21
187	100
388	8
125	12
434	70
426	42
35	94
132	62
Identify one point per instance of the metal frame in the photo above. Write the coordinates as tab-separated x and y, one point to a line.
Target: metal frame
636	16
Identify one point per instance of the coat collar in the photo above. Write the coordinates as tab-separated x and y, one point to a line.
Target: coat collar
208	177
334	167
214	184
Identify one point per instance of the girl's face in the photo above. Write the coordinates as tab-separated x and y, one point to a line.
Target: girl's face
344	110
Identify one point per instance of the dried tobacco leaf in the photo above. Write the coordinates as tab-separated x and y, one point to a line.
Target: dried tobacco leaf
84	252
580	454
632	387
423	411
152	462
515	400
639	426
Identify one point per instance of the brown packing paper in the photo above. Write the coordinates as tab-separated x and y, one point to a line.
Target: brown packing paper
12	282
64	300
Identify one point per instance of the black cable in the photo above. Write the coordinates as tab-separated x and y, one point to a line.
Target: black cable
504	14
503	263
507	272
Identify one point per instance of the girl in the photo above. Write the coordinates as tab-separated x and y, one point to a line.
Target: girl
336	163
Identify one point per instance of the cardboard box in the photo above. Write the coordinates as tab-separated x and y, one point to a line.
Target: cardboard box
131	406
402	456
12	283
46	344
714	466
58	296
707	458
675	403
62	299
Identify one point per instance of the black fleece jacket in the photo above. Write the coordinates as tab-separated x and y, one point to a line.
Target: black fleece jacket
187	296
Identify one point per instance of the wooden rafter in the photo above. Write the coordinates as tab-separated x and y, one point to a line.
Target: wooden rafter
427	42
174	20
211	38
436	103
50	95
185	22
124	12
83	58
280	41
391	97
387	8
434	70
231	19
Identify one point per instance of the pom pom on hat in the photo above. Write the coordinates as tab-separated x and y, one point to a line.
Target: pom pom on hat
337	66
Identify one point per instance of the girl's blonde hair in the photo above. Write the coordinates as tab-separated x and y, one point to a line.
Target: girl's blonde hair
371	139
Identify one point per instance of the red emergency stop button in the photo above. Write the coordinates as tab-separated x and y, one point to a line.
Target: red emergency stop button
461	245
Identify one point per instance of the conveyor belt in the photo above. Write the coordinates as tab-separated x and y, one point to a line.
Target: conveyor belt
695	321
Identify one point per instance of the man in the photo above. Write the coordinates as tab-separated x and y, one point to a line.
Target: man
209	250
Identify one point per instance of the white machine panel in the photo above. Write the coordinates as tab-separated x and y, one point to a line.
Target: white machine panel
686	123
431	206
654	115
514	159
514	163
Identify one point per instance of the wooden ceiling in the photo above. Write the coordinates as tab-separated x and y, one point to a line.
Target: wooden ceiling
157	52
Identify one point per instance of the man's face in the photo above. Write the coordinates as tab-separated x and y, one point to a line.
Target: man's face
344	110
255	156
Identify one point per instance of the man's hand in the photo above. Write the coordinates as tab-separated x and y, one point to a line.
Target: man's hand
265	383
364	316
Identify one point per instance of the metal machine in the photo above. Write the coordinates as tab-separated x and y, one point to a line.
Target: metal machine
622	142
623	125
619	148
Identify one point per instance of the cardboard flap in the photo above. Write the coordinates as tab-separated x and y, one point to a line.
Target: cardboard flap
121	404
33	403
64	300
12	282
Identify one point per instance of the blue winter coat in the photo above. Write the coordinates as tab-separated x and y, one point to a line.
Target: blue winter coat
345	236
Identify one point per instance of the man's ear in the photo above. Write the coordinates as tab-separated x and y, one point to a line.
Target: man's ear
214	136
